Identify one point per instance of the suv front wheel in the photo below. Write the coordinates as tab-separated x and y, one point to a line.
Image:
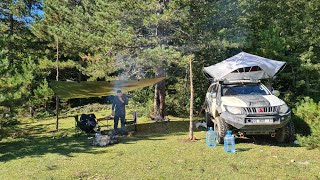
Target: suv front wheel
286	133
220	127
209	120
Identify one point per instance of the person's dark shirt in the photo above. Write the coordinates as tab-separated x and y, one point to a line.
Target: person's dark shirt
117	105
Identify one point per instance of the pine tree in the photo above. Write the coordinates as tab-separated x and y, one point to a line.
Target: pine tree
102	33
16	62
287	31
89	33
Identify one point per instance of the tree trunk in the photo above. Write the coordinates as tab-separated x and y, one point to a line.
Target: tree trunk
308	85
11	24
294	77
57	98
57	113
11	113
79	79
31	111
160	88
159	95
191	137
10	46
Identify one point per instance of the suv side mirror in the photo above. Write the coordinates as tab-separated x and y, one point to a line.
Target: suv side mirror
276	93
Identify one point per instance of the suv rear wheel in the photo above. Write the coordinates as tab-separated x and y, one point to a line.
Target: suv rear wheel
286	133
220	127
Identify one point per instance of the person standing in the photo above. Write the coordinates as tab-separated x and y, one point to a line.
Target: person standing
119	111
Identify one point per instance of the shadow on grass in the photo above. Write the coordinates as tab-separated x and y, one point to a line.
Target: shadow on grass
243	149
158	131
35	141
39	146
264	140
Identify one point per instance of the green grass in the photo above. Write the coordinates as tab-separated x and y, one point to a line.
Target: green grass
155	151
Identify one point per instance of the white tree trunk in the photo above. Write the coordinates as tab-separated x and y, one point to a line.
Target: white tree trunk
191	137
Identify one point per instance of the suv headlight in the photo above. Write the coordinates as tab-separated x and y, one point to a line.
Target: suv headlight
283	108
233	110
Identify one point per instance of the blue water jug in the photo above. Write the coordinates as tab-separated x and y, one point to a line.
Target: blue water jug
211	138
229	143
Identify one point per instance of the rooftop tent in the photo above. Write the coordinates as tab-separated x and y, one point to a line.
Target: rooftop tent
85	89
244	66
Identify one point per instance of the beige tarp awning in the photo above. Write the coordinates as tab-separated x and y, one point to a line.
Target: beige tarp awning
85	89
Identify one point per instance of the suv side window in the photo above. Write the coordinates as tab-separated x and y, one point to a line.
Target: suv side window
212	90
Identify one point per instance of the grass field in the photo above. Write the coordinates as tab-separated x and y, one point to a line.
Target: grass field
155	151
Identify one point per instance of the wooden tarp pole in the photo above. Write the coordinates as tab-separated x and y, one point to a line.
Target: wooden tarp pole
57	115
191	137
57	78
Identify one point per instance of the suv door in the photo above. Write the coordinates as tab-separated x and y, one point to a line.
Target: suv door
211	98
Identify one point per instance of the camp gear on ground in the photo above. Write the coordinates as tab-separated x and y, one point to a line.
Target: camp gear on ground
87	123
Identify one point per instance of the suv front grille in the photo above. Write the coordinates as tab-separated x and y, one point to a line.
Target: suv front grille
261	110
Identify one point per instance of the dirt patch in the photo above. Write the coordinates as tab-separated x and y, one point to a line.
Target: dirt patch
82	175
188	140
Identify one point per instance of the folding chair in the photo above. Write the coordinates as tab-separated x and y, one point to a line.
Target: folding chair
87	123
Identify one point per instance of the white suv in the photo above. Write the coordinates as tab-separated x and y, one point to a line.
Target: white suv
236	99
247	108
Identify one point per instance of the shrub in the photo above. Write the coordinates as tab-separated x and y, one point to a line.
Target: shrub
309	111
7	118
143	109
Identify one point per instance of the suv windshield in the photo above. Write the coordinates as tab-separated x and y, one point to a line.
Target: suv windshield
244	89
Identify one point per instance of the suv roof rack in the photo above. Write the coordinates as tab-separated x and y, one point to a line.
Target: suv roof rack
241	81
